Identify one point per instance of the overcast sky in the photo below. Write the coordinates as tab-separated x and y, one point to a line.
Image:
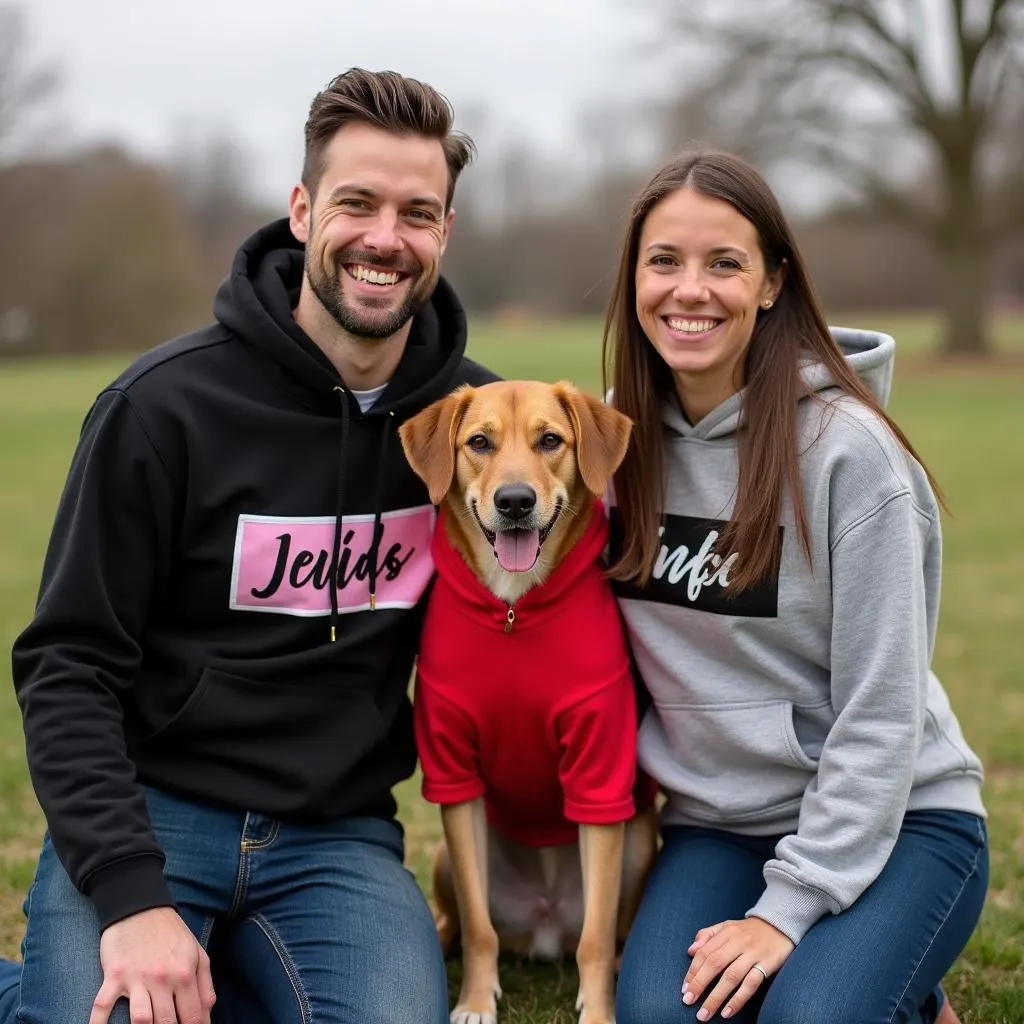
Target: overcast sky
146	72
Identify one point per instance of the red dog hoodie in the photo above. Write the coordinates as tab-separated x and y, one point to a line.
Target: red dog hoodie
533	707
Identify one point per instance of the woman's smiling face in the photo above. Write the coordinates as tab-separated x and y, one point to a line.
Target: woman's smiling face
700	281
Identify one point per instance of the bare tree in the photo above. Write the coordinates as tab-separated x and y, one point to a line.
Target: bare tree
908	103
25	84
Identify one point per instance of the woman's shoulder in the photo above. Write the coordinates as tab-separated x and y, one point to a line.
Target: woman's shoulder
845	426
842	437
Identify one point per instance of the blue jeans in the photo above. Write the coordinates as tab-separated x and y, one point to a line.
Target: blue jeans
303	923
881	960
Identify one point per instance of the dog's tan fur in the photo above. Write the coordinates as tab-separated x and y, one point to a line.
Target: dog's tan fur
485	886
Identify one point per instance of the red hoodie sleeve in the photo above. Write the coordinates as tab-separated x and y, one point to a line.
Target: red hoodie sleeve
448	747
598	764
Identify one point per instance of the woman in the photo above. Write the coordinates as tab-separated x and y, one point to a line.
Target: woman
777	558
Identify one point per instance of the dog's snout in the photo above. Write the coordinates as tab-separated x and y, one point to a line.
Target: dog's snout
516	501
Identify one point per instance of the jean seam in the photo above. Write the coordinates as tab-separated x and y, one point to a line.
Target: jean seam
240	883
260	844
18	1018
952	905
204	936
287	963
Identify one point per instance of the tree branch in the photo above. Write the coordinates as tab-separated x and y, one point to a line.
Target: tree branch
23	88
907	63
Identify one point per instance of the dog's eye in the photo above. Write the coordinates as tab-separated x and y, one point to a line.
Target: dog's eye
479	443
549	442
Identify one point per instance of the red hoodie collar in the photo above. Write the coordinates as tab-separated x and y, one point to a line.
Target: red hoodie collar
452	567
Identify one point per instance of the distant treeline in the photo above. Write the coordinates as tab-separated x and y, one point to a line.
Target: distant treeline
103	251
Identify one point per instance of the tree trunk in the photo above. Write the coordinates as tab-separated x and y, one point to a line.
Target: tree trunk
966	264
963	248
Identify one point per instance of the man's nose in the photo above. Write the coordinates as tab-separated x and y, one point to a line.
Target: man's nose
383	235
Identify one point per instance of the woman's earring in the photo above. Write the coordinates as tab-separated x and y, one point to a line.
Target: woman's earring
767	303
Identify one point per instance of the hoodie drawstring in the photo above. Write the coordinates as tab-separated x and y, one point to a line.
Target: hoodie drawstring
377	512
332	586
374	551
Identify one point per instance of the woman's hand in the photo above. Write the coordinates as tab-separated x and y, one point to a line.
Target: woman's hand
745	953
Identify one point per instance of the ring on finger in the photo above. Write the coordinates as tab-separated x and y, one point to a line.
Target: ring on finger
761	970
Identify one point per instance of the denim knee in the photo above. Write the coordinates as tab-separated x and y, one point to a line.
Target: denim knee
61	942
808	1011
641	1004
802	1002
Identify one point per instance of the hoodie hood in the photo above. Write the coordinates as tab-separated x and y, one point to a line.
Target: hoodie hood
256	302
870	354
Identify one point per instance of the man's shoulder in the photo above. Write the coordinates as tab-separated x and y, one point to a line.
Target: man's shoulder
171	359
474	373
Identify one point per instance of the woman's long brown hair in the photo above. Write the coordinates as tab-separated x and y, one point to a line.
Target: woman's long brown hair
769	463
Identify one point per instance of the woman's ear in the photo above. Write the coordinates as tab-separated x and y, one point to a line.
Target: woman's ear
775	280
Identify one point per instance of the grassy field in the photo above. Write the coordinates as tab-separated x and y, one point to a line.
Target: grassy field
967	422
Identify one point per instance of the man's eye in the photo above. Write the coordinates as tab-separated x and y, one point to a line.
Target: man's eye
479	443
549	442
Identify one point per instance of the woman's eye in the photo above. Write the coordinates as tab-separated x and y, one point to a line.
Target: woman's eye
725	264
479	443
549	442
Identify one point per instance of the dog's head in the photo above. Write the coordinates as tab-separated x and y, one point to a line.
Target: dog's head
516	463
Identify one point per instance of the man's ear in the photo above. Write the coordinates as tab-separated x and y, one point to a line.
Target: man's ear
300	209
429	440
602	435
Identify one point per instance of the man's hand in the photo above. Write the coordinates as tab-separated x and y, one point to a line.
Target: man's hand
745	953
155	962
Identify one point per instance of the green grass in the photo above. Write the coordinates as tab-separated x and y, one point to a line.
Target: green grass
967	424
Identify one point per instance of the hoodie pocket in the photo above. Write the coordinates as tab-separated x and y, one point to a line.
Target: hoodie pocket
291	733
727	762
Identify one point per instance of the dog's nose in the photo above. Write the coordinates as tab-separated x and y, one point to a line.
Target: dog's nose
515	500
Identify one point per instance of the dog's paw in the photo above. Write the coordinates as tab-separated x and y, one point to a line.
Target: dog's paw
472	1010
464	1015
589	1017
593	1014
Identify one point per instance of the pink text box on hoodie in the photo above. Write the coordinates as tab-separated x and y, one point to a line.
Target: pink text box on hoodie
282	564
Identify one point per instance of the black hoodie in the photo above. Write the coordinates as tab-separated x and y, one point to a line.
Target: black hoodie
185	634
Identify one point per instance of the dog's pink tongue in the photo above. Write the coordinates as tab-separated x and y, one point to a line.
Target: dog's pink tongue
517	550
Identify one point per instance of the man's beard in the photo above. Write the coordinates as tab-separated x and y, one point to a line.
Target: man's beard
358	320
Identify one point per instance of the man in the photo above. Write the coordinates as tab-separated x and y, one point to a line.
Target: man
214	682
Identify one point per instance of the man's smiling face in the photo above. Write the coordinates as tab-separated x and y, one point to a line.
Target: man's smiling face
376	228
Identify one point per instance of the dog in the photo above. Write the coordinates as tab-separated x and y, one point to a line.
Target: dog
525	706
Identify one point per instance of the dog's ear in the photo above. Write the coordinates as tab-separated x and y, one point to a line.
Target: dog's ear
602	435
429	440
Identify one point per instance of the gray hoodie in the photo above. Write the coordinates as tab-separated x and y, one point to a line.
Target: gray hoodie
804	707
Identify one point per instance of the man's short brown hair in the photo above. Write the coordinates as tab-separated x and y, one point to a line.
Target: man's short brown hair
387	100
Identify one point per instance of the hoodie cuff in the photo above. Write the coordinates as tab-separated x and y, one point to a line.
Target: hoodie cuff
128	887
791	907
